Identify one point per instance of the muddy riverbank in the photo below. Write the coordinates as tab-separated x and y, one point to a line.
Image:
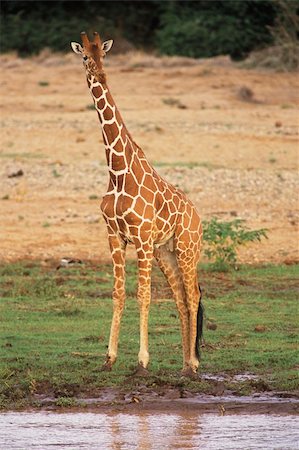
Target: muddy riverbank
172	399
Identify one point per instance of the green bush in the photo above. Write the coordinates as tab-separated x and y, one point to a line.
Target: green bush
221	240
192	28
32	26
203	29
30	36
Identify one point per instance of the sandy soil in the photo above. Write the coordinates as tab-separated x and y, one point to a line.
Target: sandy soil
226	135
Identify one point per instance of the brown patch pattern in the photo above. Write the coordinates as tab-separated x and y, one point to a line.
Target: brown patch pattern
141	208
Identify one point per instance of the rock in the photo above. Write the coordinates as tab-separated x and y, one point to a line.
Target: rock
66	262
211	326
245	94
16	173
260	328
93	219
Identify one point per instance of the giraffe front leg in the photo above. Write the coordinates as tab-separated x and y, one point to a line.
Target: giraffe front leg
145	257
117	248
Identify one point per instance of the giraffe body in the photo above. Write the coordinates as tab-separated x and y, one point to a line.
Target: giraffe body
143	209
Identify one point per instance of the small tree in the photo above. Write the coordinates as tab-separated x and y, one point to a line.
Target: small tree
221	240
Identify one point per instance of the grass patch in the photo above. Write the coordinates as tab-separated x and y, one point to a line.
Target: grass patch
188	164
55	173
15	155
54	329
174	102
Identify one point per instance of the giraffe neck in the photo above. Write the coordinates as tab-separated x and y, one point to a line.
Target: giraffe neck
121	151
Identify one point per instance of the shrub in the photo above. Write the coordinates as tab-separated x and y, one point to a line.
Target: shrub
223	238
200	28
283	55
204	29
48	26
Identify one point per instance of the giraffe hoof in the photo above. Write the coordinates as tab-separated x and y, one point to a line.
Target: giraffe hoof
141	371
189	373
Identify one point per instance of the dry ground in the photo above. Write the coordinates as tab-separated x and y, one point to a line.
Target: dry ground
226	135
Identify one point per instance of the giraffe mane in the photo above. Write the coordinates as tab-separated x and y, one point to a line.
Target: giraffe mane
98	73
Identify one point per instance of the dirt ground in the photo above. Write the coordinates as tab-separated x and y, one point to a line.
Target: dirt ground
174	400
226	135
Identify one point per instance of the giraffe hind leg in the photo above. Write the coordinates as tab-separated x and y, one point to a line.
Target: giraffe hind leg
187	245
195	313
168	264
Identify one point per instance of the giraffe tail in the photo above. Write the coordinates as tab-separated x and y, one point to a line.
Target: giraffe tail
199	333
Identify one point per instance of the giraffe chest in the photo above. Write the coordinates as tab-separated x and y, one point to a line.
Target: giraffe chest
128	215
131	206
127	210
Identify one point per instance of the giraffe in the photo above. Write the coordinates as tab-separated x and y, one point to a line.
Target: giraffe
143	209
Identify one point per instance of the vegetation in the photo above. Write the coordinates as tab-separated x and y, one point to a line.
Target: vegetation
199	29
203	29
223	238
55	325
284	54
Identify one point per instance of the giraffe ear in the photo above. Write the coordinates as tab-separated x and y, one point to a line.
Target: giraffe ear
107	45
77	48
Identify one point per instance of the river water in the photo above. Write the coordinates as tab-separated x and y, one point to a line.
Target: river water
147	431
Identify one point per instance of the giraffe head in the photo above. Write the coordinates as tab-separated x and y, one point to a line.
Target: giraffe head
93	53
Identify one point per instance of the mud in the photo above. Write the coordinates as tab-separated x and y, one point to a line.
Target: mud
175	399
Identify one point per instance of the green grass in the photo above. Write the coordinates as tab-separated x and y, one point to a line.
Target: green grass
43	83
188	164
54	329
21	155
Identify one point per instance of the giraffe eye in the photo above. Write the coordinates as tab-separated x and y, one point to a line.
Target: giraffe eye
85	58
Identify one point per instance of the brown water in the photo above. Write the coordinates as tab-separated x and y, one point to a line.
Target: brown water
147	431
